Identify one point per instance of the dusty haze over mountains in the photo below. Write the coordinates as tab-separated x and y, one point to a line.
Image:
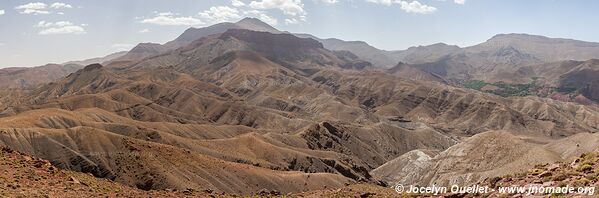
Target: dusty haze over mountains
244	108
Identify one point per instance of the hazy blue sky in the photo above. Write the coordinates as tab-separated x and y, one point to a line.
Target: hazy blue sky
39	32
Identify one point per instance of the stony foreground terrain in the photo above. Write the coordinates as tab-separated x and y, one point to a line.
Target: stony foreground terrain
26	176
583	172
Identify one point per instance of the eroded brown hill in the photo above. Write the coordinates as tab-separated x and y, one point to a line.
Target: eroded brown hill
574	81
21	78
26	176
486	155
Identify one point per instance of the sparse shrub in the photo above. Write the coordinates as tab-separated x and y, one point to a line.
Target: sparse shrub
493	181
520	175
540	166
591	177
588	162
561	184
584	168
536	171
557	195
589	157
561	176
581	182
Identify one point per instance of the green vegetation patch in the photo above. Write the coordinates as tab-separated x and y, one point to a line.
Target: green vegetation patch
566	90
505	89
475	84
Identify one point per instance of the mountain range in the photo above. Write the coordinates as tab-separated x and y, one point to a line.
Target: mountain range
242	107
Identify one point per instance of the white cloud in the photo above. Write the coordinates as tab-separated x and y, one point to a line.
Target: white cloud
144	31
56	24
297	20
254	12
289	7
330	1
263	16
416	7
63	30
460	1
59	5
383	2
410	7
291	21
237	3
41	8
60	27
33	8
1	12
268	19
122	46
168	18
292	8
220	14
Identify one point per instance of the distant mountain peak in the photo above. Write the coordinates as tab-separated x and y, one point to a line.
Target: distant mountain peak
92	67
270	40
147	47
255	24
251	20
193	34
517	36
444	45
434	46
592	62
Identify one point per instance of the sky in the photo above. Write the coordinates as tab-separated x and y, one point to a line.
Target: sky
37	32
